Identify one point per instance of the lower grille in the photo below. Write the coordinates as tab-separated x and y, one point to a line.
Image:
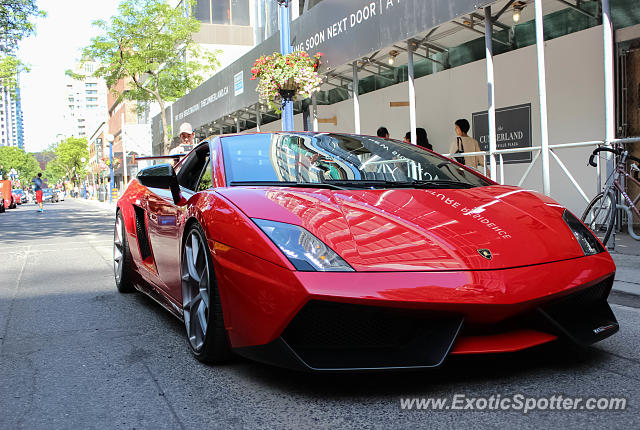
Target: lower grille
338	335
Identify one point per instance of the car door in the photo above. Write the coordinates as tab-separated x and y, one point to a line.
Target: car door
165	217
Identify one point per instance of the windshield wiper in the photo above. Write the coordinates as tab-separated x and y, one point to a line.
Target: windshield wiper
441	183
328	186
381	183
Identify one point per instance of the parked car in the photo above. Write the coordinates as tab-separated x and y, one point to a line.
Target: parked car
21	194
7	195
333	252
48	195
59	194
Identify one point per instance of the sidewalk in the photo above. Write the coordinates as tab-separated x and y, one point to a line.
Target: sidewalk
627	258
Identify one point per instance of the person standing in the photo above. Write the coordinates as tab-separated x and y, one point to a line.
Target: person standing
421	138
38	189
465	143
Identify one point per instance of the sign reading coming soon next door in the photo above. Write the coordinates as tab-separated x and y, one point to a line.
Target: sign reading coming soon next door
513	126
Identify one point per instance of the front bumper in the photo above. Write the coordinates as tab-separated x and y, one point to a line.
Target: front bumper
355	321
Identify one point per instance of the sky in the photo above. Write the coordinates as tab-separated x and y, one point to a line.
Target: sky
54	48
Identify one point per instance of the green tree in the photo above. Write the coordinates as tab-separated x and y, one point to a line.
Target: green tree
16	23
69	154
53	172
150	45
24	163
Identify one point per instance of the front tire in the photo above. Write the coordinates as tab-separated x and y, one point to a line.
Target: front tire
122	264
600	214
203	320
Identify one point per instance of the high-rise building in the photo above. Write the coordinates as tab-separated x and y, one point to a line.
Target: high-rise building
11	129
85	102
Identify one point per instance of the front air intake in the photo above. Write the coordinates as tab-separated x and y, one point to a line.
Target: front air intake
329	335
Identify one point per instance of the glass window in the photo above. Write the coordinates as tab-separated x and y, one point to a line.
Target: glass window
328	157
206	180
202	11
247	158
312	3
190	169
240	12
221	11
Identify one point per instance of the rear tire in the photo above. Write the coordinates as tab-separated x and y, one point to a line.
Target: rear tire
122	264
600	214
203	320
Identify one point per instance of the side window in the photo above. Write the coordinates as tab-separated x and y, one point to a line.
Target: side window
206	179
192	167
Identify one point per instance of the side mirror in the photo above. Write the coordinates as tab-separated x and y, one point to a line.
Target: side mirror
161	176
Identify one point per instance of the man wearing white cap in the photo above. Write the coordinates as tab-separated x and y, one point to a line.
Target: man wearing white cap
186	134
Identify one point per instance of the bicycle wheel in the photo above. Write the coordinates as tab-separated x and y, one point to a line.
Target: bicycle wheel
600	214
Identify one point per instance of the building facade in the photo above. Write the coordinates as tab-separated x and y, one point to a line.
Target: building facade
11	128
85	102
231	28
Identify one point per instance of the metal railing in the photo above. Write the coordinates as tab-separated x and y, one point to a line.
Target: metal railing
538	150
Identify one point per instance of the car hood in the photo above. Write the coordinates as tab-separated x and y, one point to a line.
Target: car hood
422	230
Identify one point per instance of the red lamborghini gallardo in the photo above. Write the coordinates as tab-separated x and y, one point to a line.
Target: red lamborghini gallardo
321	251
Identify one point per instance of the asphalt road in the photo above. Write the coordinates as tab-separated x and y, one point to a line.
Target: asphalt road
76	354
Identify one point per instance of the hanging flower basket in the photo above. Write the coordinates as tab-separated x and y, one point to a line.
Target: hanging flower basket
285	77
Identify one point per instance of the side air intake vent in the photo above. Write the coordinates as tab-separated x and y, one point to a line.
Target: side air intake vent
141	232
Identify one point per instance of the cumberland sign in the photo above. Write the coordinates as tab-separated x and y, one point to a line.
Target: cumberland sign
513	130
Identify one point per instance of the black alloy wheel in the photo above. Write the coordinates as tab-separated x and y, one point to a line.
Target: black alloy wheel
201	304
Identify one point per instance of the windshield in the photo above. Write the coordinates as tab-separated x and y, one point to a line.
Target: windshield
342	159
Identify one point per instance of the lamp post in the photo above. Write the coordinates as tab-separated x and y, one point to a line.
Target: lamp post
110	139
84	186
285	48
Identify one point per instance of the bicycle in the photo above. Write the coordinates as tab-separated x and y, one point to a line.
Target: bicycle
600	214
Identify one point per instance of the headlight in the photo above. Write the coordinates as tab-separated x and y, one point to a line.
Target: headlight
305	251
588	242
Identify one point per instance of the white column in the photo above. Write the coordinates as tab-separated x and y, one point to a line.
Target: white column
491	107
609	107
314	111
412	94
356	99
542	90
